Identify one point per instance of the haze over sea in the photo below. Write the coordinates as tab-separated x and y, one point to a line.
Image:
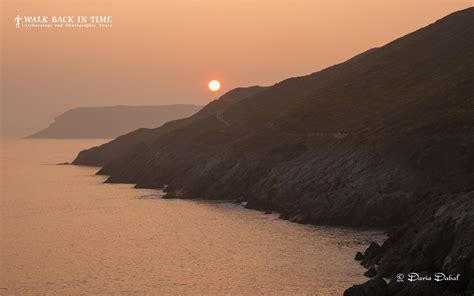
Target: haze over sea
64	232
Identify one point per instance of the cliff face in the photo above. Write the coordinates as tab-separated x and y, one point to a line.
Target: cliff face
110	122
378	140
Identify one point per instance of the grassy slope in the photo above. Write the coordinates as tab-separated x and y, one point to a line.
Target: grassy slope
407	110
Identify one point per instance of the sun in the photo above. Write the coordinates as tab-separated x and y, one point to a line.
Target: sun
214	85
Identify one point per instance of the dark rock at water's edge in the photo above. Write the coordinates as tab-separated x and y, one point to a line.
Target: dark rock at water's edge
371	272
372	251
359	256
374	287
383	139
111	121
438	239
378	287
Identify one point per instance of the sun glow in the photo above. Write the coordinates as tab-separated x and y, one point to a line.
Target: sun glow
214	85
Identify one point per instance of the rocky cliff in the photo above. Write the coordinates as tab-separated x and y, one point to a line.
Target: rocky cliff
382	139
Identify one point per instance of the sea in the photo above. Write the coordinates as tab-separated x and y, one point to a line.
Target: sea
65	232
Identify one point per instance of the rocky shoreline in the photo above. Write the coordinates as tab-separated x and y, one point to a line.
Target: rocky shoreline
421	260
434	228
392	147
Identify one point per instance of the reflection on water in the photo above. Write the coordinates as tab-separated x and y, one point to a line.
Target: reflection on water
64	232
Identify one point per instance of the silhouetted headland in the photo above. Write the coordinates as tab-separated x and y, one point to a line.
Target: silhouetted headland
110	122
383	139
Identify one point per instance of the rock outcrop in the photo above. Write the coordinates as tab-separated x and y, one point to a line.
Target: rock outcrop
374	287
437	240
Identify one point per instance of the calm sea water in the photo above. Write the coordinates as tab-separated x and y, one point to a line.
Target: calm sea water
64	232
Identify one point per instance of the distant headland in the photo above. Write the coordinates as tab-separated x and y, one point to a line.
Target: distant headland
112	121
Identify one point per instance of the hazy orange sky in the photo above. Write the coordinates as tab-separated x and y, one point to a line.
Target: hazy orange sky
166	52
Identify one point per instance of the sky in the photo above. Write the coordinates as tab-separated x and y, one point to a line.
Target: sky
166	52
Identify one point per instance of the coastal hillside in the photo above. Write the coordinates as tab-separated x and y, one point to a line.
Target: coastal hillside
383	139
132	142
110	122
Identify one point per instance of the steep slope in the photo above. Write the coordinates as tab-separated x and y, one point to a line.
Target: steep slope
110	122
366	131
136	140
373	141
